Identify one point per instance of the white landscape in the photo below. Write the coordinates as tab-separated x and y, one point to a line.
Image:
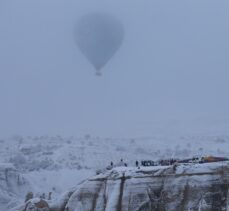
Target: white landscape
57	164
89	89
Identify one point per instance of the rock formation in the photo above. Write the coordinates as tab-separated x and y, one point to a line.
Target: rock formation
13	186
191	187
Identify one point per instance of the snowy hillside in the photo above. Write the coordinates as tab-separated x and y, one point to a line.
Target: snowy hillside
55	164
12	186
202	187
199	187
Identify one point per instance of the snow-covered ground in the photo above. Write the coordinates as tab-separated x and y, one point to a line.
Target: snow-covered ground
188	187
55	164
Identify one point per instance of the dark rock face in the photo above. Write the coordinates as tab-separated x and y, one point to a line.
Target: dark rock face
195	187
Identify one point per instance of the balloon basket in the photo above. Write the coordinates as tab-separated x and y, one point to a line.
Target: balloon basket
98	74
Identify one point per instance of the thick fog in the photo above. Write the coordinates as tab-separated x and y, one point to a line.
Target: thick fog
170	74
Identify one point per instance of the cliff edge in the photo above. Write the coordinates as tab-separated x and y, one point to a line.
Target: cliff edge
197	187
186	187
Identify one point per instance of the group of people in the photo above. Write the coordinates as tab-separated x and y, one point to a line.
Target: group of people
119	164
167	162
143	163
193	160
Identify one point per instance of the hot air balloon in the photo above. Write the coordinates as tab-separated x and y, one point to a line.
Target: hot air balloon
98	37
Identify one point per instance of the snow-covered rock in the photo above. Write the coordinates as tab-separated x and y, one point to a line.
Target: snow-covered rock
202	187
13	186
35	204
55	164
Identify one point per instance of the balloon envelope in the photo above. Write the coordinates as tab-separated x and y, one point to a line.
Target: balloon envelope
98	37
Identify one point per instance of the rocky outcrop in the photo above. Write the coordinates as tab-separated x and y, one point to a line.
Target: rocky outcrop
13	186
192	187
189	187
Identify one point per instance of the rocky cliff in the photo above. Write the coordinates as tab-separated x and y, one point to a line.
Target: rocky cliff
200	187
13	186
188	187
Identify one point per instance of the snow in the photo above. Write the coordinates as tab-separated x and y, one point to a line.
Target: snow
191	188
13	186
55	164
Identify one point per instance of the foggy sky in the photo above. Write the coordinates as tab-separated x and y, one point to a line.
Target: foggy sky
170	74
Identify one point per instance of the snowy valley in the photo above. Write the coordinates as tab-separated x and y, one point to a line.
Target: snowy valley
55	164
